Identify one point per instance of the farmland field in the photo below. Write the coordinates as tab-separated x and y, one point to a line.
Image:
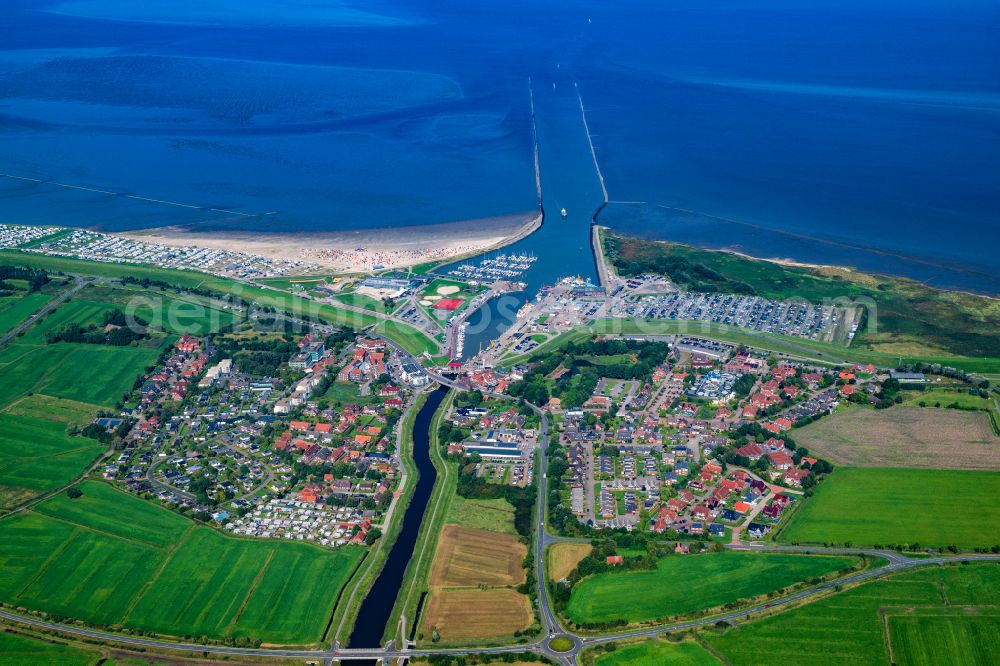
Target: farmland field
848	628
867	505
905	437
708	581
38	456
94	374
944	636
54	409
476	614
467	557
16	650
495	515
563	558
110	558
76	311
15	309
686	653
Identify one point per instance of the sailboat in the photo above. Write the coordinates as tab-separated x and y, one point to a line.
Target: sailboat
563	212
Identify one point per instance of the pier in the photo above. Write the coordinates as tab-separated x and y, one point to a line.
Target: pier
568	176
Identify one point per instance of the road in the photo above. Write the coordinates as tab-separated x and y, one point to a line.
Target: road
897	562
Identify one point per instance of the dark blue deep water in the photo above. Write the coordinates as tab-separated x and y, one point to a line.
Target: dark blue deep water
863	133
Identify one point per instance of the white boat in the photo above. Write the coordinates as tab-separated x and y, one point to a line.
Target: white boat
564	213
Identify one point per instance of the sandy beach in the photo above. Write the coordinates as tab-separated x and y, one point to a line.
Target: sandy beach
362	249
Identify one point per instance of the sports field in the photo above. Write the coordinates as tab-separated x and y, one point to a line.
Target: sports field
562	558
110	558
848	628
905	437
474	615
685	584
467	557
685	653
882	506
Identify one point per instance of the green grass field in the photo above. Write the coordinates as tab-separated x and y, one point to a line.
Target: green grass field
47	387
17	650
408	337
962	398
37	456
15	309
347	393
945	636
888	506
361	301
110	558
848	627
681	585
76	311
183	316
685	653
94	374
495	515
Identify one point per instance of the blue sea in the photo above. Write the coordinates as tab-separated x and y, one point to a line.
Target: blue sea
852	132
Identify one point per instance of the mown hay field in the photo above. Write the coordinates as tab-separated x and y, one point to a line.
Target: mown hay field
464	614
905	437
467	557
563	558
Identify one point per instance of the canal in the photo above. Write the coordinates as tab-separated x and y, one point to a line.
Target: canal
376	609
569	179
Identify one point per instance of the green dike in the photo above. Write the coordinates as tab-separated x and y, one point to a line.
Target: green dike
110	559
682	585
890	506
907	311
810	349
17	650
409	338
345	615
419	567
850	627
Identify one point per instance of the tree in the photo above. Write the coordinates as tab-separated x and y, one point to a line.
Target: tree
74	493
